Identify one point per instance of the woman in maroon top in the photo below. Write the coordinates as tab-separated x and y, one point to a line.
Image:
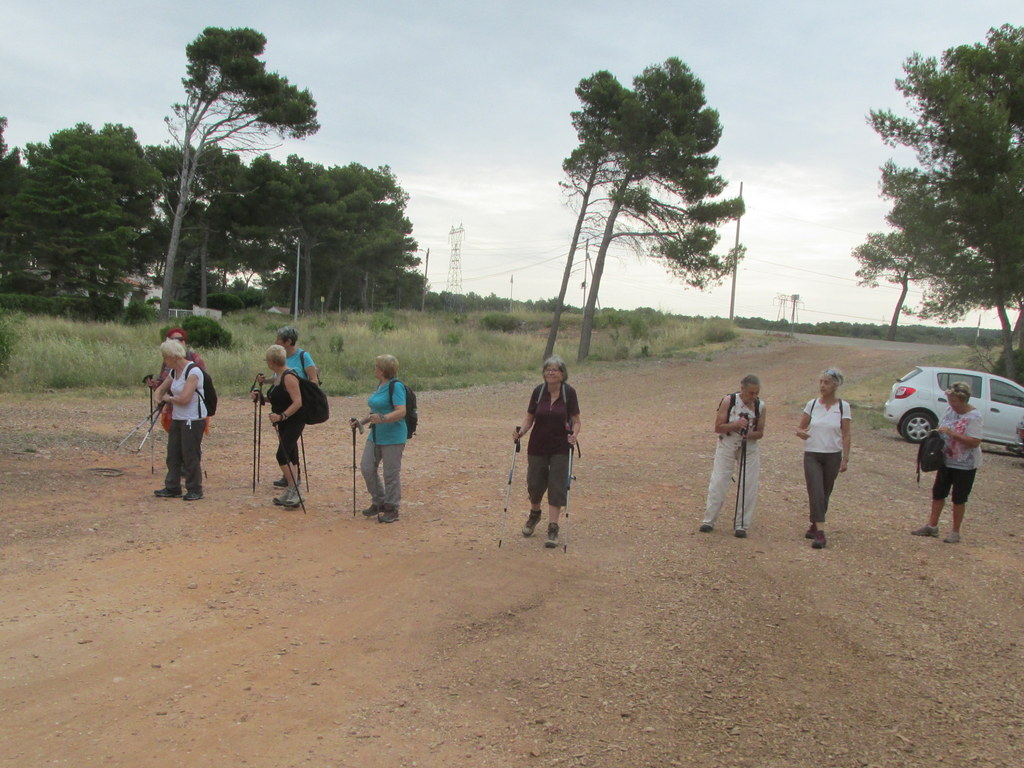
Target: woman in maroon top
554	415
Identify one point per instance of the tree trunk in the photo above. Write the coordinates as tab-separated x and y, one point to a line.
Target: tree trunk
204	252
559	303
1018	328
172	254
1009	366
595	281
896	313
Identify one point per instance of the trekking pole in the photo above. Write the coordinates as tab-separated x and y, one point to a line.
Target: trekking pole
255	437
138	426
508	490
152	443
305	471
354	423
568	486
741	489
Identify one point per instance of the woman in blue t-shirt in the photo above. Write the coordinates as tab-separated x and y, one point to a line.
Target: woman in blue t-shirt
386	441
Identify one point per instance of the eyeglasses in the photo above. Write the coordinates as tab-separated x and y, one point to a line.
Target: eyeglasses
176	338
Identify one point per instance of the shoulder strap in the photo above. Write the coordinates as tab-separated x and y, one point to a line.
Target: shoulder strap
199	391
391	393
304	354
538	393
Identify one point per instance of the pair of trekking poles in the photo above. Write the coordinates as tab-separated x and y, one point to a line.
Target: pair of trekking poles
151	419
568	486
257	443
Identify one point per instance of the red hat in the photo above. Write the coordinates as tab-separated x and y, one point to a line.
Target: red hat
178	331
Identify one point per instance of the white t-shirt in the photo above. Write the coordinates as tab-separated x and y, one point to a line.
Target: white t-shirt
958	455
195	409
826	426
753	414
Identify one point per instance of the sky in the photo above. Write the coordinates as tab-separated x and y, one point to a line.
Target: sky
469	105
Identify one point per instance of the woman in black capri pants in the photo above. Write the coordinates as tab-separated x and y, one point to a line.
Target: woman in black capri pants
286	416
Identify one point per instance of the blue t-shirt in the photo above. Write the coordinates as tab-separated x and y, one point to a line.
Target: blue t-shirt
299	362
393	432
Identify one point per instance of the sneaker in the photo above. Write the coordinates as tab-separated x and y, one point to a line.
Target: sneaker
167	493
290	498
192	496
371	511
811	531
739	533
531	523
953	537
926	530
706	528
388	514
552	541
819	540
282	482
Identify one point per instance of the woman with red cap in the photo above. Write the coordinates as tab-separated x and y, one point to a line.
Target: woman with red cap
178	335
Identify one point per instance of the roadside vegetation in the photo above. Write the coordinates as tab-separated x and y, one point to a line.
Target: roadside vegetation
437	350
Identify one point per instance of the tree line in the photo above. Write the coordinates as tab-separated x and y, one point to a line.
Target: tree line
91	209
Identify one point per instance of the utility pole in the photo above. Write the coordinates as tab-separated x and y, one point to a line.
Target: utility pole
735	266
511	280
426	284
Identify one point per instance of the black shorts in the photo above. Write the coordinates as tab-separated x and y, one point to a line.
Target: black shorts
960	480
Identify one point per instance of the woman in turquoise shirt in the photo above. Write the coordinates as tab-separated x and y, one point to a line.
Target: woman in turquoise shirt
385	442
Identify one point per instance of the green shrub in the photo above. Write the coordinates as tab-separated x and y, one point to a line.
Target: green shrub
206	332
382	323
225	302
337	344
499	321
8	337
137	313
1018	365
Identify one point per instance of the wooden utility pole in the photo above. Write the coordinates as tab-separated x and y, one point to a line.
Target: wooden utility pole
735	266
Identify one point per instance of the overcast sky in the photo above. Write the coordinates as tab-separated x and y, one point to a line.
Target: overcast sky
469	102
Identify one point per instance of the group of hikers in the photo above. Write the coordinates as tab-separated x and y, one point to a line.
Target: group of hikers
552	421
825	429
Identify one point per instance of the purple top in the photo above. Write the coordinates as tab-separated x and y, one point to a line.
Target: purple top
551	421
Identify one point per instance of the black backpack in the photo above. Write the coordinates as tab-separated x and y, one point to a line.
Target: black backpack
412	415
931	454
757	406
208	393
315	408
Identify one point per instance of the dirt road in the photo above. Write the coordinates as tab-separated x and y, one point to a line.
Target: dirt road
143	632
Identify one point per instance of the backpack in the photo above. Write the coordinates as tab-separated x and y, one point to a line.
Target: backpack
931	454
412	415
315	408
208	393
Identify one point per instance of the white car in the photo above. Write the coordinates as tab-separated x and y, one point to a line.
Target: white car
918	400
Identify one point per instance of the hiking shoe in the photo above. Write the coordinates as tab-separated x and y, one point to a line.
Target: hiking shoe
819	540
192	496
739	533
926	530
290	498
388	514
167	493
282	482
811	531
531	523
953	537
552	541
371	511
706	528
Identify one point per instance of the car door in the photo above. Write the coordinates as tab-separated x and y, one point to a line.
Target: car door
1004	410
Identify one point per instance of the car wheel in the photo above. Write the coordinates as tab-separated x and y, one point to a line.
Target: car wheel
916	425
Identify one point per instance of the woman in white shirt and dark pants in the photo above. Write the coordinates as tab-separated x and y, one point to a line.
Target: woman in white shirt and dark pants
825	429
